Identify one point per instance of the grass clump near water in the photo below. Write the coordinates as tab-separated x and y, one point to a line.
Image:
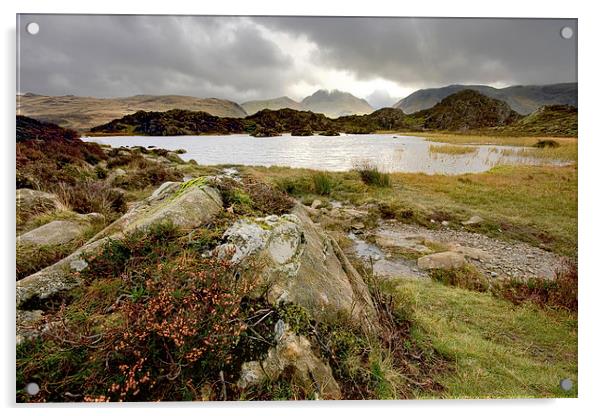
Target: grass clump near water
452	149
546	143
323	183
372	175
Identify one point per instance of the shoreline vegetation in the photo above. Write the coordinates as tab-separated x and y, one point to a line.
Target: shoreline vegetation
157	295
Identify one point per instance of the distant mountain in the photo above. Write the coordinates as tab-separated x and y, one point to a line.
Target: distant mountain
252	107
467	110
335	103
82	113
523	99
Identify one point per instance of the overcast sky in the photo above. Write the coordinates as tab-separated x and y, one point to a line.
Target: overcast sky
246	58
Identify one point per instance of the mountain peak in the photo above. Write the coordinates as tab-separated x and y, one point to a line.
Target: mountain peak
336	103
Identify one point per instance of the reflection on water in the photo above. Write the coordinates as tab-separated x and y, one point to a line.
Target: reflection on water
391	153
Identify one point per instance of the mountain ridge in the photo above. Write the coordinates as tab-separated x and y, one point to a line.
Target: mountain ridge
523	99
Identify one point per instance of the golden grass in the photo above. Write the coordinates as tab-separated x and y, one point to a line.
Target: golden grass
536	204
451	149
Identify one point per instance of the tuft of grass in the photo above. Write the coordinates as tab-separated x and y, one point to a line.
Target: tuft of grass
91	196
323	183
451	149
545	143
371	174
466	277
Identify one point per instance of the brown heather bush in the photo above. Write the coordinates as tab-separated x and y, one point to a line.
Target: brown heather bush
91	196
251	196
560	292
171	321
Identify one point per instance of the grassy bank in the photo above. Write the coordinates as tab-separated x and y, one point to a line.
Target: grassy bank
496	349
566	151
535	204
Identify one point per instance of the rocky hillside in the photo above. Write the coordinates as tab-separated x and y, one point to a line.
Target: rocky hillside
220	287
523	99
467	110
551	120
82	113
335	103
252	107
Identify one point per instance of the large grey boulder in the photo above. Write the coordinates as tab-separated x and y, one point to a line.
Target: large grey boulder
445	260
292	352
297	262
59	231
188	206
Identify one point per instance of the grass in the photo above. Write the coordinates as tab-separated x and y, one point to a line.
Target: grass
372	175
565	151
497	350
452	149
535	204
323	183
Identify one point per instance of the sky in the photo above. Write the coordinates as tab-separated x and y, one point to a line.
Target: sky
248	58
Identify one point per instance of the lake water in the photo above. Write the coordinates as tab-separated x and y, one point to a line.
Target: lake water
391	152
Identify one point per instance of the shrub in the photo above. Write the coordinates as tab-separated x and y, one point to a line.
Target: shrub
323	183
149	174
171	322
250	196
560	292
542	144
91	196
371	175
31	259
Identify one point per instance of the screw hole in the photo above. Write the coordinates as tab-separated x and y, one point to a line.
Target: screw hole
566	32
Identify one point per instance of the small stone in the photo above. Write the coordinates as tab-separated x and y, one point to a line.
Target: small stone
316	204
475	219
445	223
78	265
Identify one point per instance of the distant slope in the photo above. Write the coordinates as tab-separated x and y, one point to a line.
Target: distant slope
552	120
523	99
336	103
252	107
31	129
82	113
468	110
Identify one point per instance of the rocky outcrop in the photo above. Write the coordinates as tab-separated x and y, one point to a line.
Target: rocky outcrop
298	263
187	205
59	231
293	353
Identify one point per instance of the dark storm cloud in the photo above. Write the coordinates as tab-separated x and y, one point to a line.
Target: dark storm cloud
244	58
442	51
122	55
